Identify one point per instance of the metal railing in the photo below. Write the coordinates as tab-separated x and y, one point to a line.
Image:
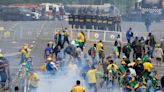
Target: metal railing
91	34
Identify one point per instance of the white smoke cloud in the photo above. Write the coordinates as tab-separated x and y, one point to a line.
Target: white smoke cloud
63	81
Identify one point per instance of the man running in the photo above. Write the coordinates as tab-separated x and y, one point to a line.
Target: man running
100	49
25	53
65	35
81	38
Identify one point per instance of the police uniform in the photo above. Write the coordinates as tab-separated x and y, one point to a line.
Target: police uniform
115	23
81	21
71	20
88	22
118	23
104	19
99	22
109	23
76	19
94	22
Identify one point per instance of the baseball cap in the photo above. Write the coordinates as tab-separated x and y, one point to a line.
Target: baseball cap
139	59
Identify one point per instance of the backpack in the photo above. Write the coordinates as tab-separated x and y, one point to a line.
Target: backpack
89	51
126	49
116	43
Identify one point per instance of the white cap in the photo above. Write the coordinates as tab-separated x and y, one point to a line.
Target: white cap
124	57
139	59
129	65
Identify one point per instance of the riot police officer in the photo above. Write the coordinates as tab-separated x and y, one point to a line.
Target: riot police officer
104	23
118	23
81	21
110	23
94	22
76	20
88	22
113	24
99	22
71	20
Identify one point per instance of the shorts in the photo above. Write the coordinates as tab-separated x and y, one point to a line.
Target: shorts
101	54
159	59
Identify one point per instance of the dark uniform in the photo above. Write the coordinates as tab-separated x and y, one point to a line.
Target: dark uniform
88	21
71	20
110	23
104	26
76	20
99	22
81	21
118	23
94	22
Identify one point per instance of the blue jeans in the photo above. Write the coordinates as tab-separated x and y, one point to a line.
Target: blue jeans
126	90
65	40
32	89
3	76
93	87
150	51
94	63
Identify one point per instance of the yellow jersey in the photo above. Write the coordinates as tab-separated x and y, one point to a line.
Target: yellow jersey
147	66
81	37
78	88
110	67
25	53
99	46
91	75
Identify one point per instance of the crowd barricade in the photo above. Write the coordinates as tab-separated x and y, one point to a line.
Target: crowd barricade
90	34
95	35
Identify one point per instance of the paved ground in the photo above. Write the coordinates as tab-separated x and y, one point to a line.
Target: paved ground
36	33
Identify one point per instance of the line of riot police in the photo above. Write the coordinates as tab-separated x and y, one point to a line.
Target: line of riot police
95	22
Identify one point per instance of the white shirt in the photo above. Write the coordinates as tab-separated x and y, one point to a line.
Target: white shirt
132	72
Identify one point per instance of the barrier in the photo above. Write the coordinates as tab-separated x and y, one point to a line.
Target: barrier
91	35
96	35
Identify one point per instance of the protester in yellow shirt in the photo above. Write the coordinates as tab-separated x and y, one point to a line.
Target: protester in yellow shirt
112	70
101	52
148	66
81	38
25	53
78	87
91	75
99	46
114	65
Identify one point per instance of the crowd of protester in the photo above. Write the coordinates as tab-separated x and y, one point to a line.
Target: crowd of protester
132	65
